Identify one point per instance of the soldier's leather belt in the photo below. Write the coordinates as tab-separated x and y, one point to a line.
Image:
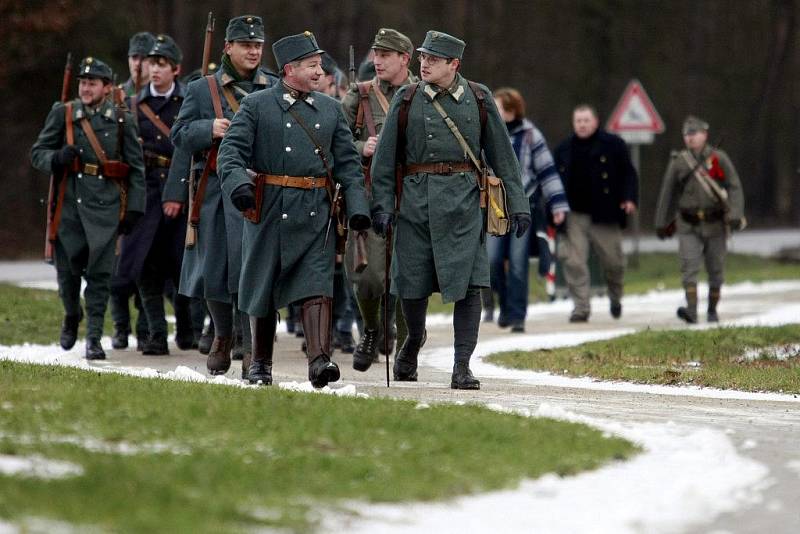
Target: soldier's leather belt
156	160
441	167
298	182
698	216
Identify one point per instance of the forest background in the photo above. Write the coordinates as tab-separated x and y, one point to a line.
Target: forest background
733	62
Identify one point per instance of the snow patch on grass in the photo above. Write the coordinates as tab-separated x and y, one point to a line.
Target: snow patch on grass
780	353
96	445
36	466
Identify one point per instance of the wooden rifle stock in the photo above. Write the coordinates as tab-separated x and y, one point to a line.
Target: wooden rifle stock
196	203
53	197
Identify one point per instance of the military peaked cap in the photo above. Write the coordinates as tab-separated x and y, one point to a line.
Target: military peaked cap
245	28
328	64
694	124
389	39
442	45
166	47
94	68
295	47
140	44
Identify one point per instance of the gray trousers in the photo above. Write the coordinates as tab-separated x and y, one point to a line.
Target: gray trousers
573	252
696	247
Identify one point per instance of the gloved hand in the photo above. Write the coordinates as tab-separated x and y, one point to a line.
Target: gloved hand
244	197
666	232
129	221
64	157
359	222
520	221
382	223
738	225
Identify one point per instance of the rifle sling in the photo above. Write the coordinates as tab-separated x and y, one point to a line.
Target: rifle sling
707	182
400	145
157	122
364	108
62	184
380	96
96	146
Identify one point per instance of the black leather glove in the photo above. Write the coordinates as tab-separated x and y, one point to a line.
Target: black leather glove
382	223
666	232
738	225
244	197
520	221
64	157
359	223
129	221
661	233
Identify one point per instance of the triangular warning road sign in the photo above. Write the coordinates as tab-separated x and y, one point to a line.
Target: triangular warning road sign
635	112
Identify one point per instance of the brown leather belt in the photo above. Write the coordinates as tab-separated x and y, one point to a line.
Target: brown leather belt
698	216
156	160
441	167
299	182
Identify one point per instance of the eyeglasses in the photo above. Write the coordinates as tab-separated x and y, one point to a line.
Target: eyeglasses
430	60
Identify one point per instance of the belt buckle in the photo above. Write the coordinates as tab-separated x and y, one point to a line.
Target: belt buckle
449	168
701	215
163	161
91	168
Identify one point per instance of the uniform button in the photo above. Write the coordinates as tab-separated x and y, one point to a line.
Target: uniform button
602	159
605	190
80	175
605	176
79	200
288	124
284	216
80	150
462	174
162	175
427	118
316	126
469	119
430	136
158	137
313	213
106	134
432	154
288	149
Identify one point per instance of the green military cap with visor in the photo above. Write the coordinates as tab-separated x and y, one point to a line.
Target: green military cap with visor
91	67
295	47
392	40
165	46
694	124
140	44
245	28
442	45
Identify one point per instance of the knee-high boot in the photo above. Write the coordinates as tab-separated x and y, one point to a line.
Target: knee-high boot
260	367
689	312
316	317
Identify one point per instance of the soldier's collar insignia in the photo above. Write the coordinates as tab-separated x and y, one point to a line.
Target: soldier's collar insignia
79	113
261	79
226	78
249	20
89	59
430	91
310	100
109	113
457	93
288	97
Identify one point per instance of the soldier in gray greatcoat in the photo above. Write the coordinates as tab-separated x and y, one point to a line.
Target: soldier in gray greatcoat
439	244
701	198
393	52
92	213
211	268
296	140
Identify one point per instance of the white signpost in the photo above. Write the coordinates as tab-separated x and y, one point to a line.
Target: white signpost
636	120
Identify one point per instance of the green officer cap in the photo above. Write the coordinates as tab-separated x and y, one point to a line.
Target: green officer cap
91	67
295	47
442	45
245	28
166	47
389	39
694	124
140	44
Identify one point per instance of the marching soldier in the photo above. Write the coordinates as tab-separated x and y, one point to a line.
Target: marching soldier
298	144
211	267
365	107
95	147
153	252
701	199
438	228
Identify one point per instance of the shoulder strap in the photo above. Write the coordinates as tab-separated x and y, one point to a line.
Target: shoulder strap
69	123
157	122
706	182
400	145
365	109
480	96
379	96
232	102
96	146
212	87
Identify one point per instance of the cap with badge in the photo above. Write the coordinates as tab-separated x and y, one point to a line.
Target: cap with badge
295	47
694	124
94	68
392	40
165	46
442	45
245	28
140	44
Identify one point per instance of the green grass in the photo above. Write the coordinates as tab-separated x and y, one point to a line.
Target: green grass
259	458
662	357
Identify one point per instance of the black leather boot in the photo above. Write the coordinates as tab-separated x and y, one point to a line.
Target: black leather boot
156	346
462	377
94	350
219	357
316	317
405	364
69	330
689	312
120	338
259	369
206	339
366	352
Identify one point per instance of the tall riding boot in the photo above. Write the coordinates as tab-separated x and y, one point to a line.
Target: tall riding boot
259	370
466	322
405	363
219	358
316	317
689	312
713	300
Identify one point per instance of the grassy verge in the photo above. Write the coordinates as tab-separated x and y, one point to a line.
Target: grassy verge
712	357
257	458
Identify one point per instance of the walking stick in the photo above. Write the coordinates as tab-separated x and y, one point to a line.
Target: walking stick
388	258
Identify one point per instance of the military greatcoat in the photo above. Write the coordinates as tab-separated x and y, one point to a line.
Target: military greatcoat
91	209
154	226
368	283
211	269
284	257
438	245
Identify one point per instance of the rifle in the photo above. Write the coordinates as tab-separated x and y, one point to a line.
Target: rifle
352	68
360	258
53	202
198	189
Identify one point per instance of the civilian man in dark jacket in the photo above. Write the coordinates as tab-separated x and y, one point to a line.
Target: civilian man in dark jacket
602	189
